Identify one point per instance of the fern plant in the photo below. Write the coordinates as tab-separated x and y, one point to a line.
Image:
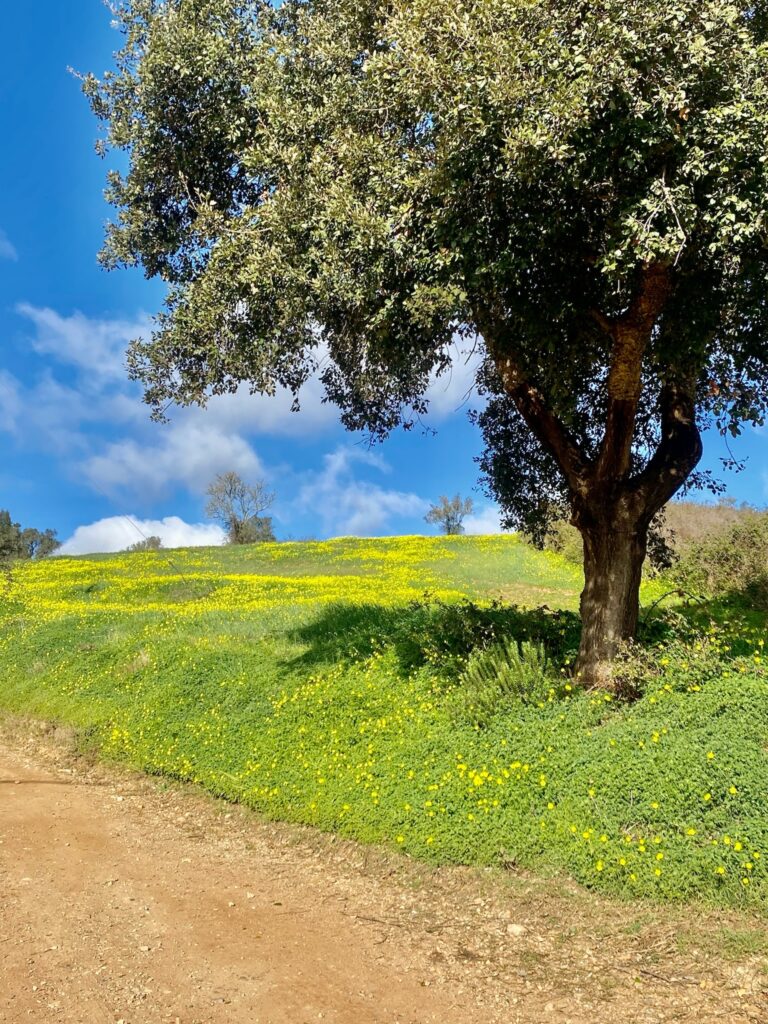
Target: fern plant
503	674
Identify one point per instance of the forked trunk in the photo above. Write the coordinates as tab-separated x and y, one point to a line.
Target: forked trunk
612	500
610	602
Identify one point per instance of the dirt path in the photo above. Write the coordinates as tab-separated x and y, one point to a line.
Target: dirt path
125	901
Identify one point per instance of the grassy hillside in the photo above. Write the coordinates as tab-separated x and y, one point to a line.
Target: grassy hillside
324	683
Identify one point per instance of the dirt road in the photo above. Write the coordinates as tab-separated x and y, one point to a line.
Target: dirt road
122	900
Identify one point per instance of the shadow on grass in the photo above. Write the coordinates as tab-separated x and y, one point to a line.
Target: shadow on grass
429	632
439	633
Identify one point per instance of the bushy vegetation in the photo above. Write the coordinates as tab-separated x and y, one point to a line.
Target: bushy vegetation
687	531
350	685
732	561
565	540
499	677
147	544
691	522
20	544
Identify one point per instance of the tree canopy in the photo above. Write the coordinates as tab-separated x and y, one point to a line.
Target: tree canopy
449	513
346	187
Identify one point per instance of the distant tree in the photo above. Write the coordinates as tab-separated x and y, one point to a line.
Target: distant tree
257	530
38	544
148	544
238	506
10	537
23	544
449	513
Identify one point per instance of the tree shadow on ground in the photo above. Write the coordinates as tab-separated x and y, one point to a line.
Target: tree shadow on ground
429	631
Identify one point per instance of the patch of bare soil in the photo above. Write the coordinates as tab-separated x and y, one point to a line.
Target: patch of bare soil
124	899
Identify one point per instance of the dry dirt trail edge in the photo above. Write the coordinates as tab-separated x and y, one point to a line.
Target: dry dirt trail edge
121	901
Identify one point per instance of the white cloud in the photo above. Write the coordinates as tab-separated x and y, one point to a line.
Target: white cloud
119	532
348	507
83	407
270	414
81	417
94	347
10	403
93	388
483	522
265	414
54	414
188	454
98	422
7	249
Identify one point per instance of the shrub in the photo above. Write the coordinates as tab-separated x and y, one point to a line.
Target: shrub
691	522
441	634
147	544
435	633
734	562
499	676
682	530
682	662
256	530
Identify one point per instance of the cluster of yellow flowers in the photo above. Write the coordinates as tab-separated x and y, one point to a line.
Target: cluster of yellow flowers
188	583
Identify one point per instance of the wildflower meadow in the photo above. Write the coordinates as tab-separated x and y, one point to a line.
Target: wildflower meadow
340	684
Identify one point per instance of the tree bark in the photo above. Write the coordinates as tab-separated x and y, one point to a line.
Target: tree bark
610	602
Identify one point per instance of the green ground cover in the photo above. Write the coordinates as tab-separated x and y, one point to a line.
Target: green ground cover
325	684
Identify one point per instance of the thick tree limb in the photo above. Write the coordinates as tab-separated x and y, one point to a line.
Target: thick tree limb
679	451
630	335
533	406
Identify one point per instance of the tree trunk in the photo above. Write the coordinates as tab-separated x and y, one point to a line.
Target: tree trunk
613	502
610	602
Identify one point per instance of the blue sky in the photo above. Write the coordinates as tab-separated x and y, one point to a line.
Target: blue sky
76	443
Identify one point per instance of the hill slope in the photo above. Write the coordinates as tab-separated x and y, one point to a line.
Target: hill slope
316	683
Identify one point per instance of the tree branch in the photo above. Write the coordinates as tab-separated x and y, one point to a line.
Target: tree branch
679	451
533	406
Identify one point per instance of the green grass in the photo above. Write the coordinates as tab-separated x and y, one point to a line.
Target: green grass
736	944
318	684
